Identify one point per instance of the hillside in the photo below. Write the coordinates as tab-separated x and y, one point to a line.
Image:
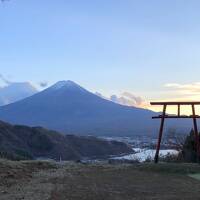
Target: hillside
25	142
47	180
67	107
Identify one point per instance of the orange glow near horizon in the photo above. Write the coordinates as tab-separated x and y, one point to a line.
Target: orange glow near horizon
185	110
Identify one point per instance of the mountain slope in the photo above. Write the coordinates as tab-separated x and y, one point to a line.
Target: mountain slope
15	92
27	142
69	108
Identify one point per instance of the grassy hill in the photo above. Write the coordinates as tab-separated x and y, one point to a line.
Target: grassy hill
22	142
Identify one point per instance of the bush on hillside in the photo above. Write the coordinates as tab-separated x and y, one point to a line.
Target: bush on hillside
189	148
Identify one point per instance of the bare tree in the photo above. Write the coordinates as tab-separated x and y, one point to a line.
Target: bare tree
175	140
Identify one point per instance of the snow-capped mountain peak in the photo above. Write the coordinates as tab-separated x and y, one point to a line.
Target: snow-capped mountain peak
66	85
61	84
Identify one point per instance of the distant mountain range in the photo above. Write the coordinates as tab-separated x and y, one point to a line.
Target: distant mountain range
15	92
22	142
69	108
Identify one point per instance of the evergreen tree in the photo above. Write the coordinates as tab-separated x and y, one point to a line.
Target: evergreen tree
189	148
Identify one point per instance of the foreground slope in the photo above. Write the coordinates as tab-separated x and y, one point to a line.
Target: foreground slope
42	180
67	107
21	142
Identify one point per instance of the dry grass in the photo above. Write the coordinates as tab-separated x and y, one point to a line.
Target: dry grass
43	180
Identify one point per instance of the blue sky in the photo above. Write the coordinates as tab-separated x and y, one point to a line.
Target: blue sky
148	48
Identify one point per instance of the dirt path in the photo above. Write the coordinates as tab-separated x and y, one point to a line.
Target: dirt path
41	181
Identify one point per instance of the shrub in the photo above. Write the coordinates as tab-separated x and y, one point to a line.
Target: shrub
189	148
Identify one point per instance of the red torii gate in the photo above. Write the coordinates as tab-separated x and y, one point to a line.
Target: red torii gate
164	116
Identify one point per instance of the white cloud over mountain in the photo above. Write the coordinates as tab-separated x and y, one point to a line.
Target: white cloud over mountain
16	91
4	80
43	84
127	99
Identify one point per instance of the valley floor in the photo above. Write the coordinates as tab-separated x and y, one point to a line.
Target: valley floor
50	181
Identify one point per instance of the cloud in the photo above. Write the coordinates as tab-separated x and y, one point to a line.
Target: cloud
129	99
100	95
137	100
122	100
126	99
185	89
43	84
5	80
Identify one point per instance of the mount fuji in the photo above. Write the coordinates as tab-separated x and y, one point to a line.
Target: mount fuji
69	108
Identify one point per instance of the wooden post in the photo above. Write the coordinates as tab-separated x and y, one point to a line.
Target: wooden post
196	132
160	134
179	110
